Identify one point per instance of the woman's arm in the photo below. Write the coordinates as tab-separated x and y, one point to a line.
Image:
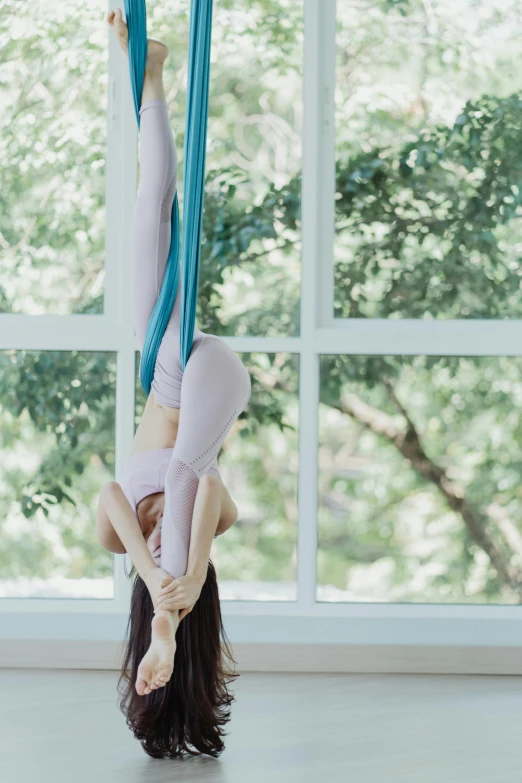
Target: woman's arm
115	507
214	512
105	533
109	539
228	512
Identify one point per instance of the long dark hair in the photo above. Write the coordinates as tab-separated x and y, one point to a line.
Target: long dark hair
188	714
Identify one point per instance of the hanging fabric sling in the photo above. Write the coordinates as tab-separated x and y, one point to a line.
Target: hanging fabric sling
193	181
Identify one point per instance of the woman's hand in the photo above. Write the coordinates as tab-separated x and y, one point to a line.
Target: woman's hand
180	594
157	579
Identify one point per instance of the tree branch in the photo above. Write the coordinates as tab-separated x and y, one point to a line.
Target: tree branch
408	443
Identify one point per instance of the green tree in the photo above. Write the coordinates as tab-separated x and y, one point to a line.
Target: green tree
427	226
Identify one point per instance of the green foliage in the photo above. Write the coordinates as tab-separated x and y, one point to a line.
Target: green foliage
234	234
52	158
58	413
467	413
428	191
428	226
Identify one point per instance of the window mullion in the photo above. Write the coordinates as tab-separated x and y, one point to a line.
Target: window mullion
326	185
121	196
311	222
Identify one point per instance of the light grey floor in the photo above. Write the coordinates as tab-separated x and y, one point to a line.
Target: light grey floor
64	727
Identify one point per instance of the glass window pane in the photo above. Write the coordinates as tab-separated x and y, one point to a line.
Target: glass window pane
57	414
250	266
428	201
419	479
256	559
53	93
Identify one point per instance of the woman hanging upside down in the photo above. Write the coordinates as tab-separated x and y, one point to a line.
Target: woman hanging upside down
171	501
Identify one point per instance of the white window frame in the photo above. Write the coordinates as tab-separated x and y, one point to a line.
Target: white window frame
304	621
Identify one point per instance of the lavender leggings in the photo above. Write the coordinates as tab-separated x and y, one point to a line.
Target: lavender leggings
215	387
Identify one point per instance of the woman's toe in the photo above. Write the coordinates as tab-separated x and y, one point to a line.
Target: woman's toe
141	686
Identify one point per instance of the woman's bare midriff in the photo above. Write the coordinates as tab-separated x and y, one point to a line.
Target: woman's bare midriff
158	428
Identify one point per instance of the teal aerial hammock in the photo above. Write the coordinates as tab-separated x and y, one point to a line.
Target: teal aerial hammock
193	181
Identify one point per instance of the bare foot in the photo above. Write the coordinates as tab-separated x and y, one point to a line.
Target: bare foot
155	670
157	52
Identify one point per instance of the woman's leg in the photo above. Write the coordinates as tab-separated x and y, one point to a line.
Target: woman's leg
151	231
152	211
215	390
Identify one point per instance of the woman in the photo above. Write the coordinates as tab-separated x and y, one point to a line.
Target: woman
171	502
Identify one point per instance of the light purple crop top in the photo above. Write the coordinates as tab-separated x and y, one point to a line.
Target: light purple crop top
145	475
